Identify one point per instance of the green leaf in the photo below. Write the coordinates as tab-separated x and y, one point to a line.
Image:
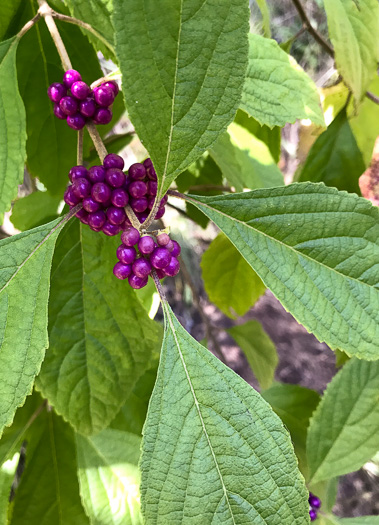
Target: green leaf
49	491
294	405
212	445
12	127
344	430
34	210
276	89
109	477
354	32
245	160
7	473
51	145
183	72
229	281
335	158
317	250
364	520
263	7
259	350
91	367
8	10
25	262
341	358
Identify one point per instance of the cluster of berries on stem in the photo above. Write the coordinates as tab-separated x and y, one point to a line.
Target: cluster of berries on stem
75	102
314	506
139	256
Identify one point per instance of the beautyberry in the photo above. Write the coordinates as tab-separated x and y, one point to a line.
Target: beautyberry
69	105
116	215
111	229
59	113
130	237
160	258
113	85
137	282
80	90
113	161
139	205
96	174
176	250
96	220
102	116
137	189
119	198
77	172
70	77
104	96
313	515
163	239
101	192
141	267
115	177
56	91
172	268
90	205
87	107
81	187
126	254
137	171
122	271
76	122
146	245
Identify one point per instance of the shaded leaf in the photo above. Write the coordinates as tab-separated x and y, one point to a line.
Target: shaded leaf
229	281
263	7
7	473
211	443
183	72
271	137
276	89
8	10
344	430
317	250
259	350
12	127
35	209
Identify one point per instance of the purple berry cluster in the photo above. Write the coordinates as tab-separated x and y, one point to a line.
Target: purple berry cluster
138	256
314	506
75	102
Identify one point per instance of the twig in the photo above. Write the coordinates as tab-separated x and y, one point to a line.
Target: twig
29	25
84	25
159	286
46	11
79	152
96	139
152	213
372	97
132	217
175	193
316	35
196	299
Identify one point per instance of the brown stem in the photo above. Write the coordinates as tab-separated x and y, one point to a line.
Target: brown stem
79	151
372	96
96	139
46	11
132	217
196	299
316	35
28	25
175	193
159	286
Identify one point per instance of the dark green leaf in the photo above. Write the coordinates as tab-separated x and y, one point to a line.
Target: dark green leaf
212	445
183	71
317	249
101	338
335	158
12	127
34	210
8	10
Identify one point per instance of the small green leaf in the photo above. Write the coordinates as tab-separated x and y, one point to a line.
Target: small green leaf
354	32
212	445
109	477
276	89
12	127
335	158
91	368
259	350
49	491
245	160
35	209
344	430
183	72
317	250
229	281
25	262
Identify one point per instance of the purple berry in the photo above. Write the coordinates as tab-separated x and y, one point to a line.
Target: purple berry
160	258
163	239
115	177
122	271
314	501
56	91
113	85
172	268
59	113
137	189
170	245
313	515
139	205
77	172
119	198
152	187
70	198
141	267
161	274
150	171
96	220
160	213
81	188
137	282
96	174
175	252
80	90
76	122
104	96
101	192
113	161
87	107
69	105
126	224
137	171
111	229
163	201
150	202
142	216
102	116
90	205
70	77
130	237
116	215
82	215
146	244
126	254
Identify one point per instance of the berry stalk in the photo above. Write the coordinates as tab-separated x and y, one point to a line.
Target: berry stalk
46	11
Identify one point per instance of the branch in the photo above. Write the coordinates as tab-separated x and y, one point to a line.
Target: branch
96	139
307	23
46	11
28	25
159	286
79	151
372	96
132	217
